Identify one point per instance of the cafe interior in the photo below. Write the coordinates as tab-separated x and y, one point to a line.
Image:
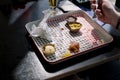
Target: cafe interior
37	41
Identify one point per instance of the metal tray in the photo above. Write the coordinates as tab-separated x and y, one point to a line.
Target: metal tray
90	37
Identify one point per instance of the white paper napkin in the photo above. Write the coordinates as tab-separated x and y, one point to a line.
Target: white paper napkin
42	32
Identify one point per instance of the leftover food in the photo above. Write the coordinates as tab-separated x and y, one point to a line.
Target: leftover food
72	24
71	19
66	54
49	49
75	26
74	47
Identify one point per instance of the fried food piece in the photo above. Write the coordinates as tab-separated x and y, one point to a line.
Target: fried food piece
74	47
49	49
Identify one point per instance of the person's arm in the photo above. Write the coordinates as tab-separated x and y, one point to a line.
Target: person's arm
107	13
116	21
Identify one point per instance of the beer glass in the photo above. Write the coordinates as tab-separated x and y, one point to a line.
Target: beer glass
53	7
53	4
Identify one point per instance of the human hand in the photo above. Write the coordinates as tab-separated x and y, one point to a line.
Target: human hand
105	11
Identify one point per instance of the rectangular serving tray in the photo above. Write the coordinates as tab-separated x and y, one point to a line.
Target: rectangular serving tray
91	36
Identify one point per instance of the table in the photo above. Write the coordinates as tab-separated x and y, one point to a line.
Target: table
32	67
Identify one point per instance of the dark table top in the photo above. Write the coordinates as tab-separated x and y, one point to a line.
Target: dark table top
21	58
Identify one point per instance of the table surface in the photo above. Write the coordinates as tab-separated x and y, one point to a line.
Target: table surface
31	66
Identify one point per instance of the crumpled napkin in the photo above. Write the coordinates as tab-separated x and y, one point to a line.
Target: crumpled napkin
42	32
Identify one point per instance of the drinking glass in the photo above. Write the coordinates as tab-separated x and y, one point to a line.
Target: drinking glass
53	5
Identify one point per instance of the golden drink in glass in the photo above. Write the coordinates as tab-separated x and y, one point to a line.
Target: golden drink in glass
53	3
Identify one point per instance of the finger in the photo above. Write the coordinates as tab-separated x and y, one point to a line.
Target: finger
92	1
93	6
100	1
100	16
100	4
101	19
99	13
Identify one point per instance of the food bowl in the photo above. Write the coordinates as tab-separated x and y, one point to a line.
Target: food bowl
74	26
71	19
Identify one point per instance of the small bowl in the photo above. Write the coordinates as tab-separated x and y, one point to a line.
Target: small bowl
71	19
74	26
